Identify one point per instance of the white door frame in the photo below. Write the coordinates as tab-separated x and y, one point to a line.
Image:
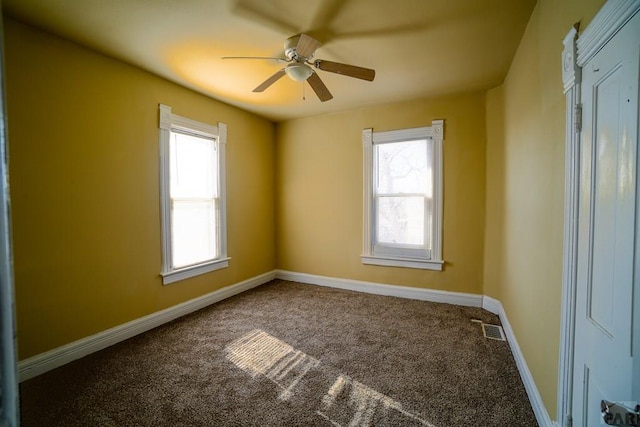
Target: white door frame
578	50
8	372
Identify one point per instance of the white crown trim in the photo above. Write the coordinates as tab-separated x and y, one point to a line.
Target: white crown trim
607	22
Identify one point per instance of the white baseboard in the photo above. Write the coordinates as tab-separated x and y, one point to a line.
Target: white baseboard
41	363
492	305
457	298
539	409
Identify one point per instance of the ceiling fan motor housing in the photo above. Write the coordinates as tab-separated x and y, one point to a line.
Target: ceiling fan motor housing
290	50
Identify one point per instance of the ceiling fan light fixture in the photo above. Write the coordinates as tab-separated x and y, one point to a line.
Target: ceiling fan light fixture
298	72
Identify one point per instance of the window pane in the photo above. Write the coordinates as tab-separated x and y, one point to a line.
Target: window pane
400	220
193	232
193	166
402	167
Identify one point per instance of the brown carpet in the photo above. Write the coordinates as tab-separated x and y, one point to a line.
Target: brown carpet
290	354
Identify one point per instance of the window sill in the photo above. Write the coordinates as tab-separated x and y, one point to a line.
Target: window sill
402	262
194	270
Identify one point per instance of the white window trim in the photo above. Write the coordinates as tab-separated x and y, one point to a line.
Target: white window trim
169	121
369	138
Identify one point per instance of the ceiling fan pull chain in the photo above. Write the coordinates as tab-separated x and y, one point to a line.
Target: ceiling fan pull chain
304	98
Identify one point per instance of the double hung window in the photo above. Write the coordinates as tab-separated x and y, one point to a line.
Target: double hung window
192	196
403	197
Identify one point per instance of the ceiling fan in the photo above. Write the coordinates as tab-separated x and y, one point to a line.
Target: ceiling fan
298	52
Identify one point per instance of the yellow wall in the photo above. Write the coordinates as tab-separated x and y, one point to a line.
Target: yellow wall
525	189
83	145
84	176
319	192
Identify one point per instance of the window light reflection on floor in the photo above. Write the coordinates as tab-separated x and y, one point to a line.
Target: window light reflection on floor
346	403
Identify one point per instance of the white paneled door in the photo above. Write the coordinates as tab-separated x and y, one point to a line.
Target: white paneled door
605	387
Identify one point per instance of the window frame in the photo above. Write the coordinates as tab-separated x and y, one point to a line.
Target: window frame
375	253
168	122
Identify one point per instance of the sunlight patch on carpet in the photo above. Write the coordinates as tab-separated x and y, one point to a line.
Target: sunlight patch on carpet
346	403
351	403
259	353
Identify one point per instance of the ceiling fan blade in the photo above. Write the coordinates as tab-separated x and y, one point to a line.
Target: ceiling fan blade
346	70
307	45
256	57
319	88
271	80
262	15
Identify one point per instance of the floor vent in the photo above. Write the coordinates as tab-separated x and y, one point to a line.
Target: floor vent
493	332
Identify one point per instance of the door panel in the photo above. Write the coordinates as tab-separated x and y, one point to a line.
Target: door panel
613	189
606	172
603	360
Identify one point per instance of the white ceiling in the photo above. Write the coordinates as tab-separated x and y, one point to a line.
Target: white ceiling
418	48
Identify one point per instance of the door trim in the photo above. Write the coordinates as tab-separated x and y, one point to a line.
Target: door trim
9	391
572	78
578	50
606	24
